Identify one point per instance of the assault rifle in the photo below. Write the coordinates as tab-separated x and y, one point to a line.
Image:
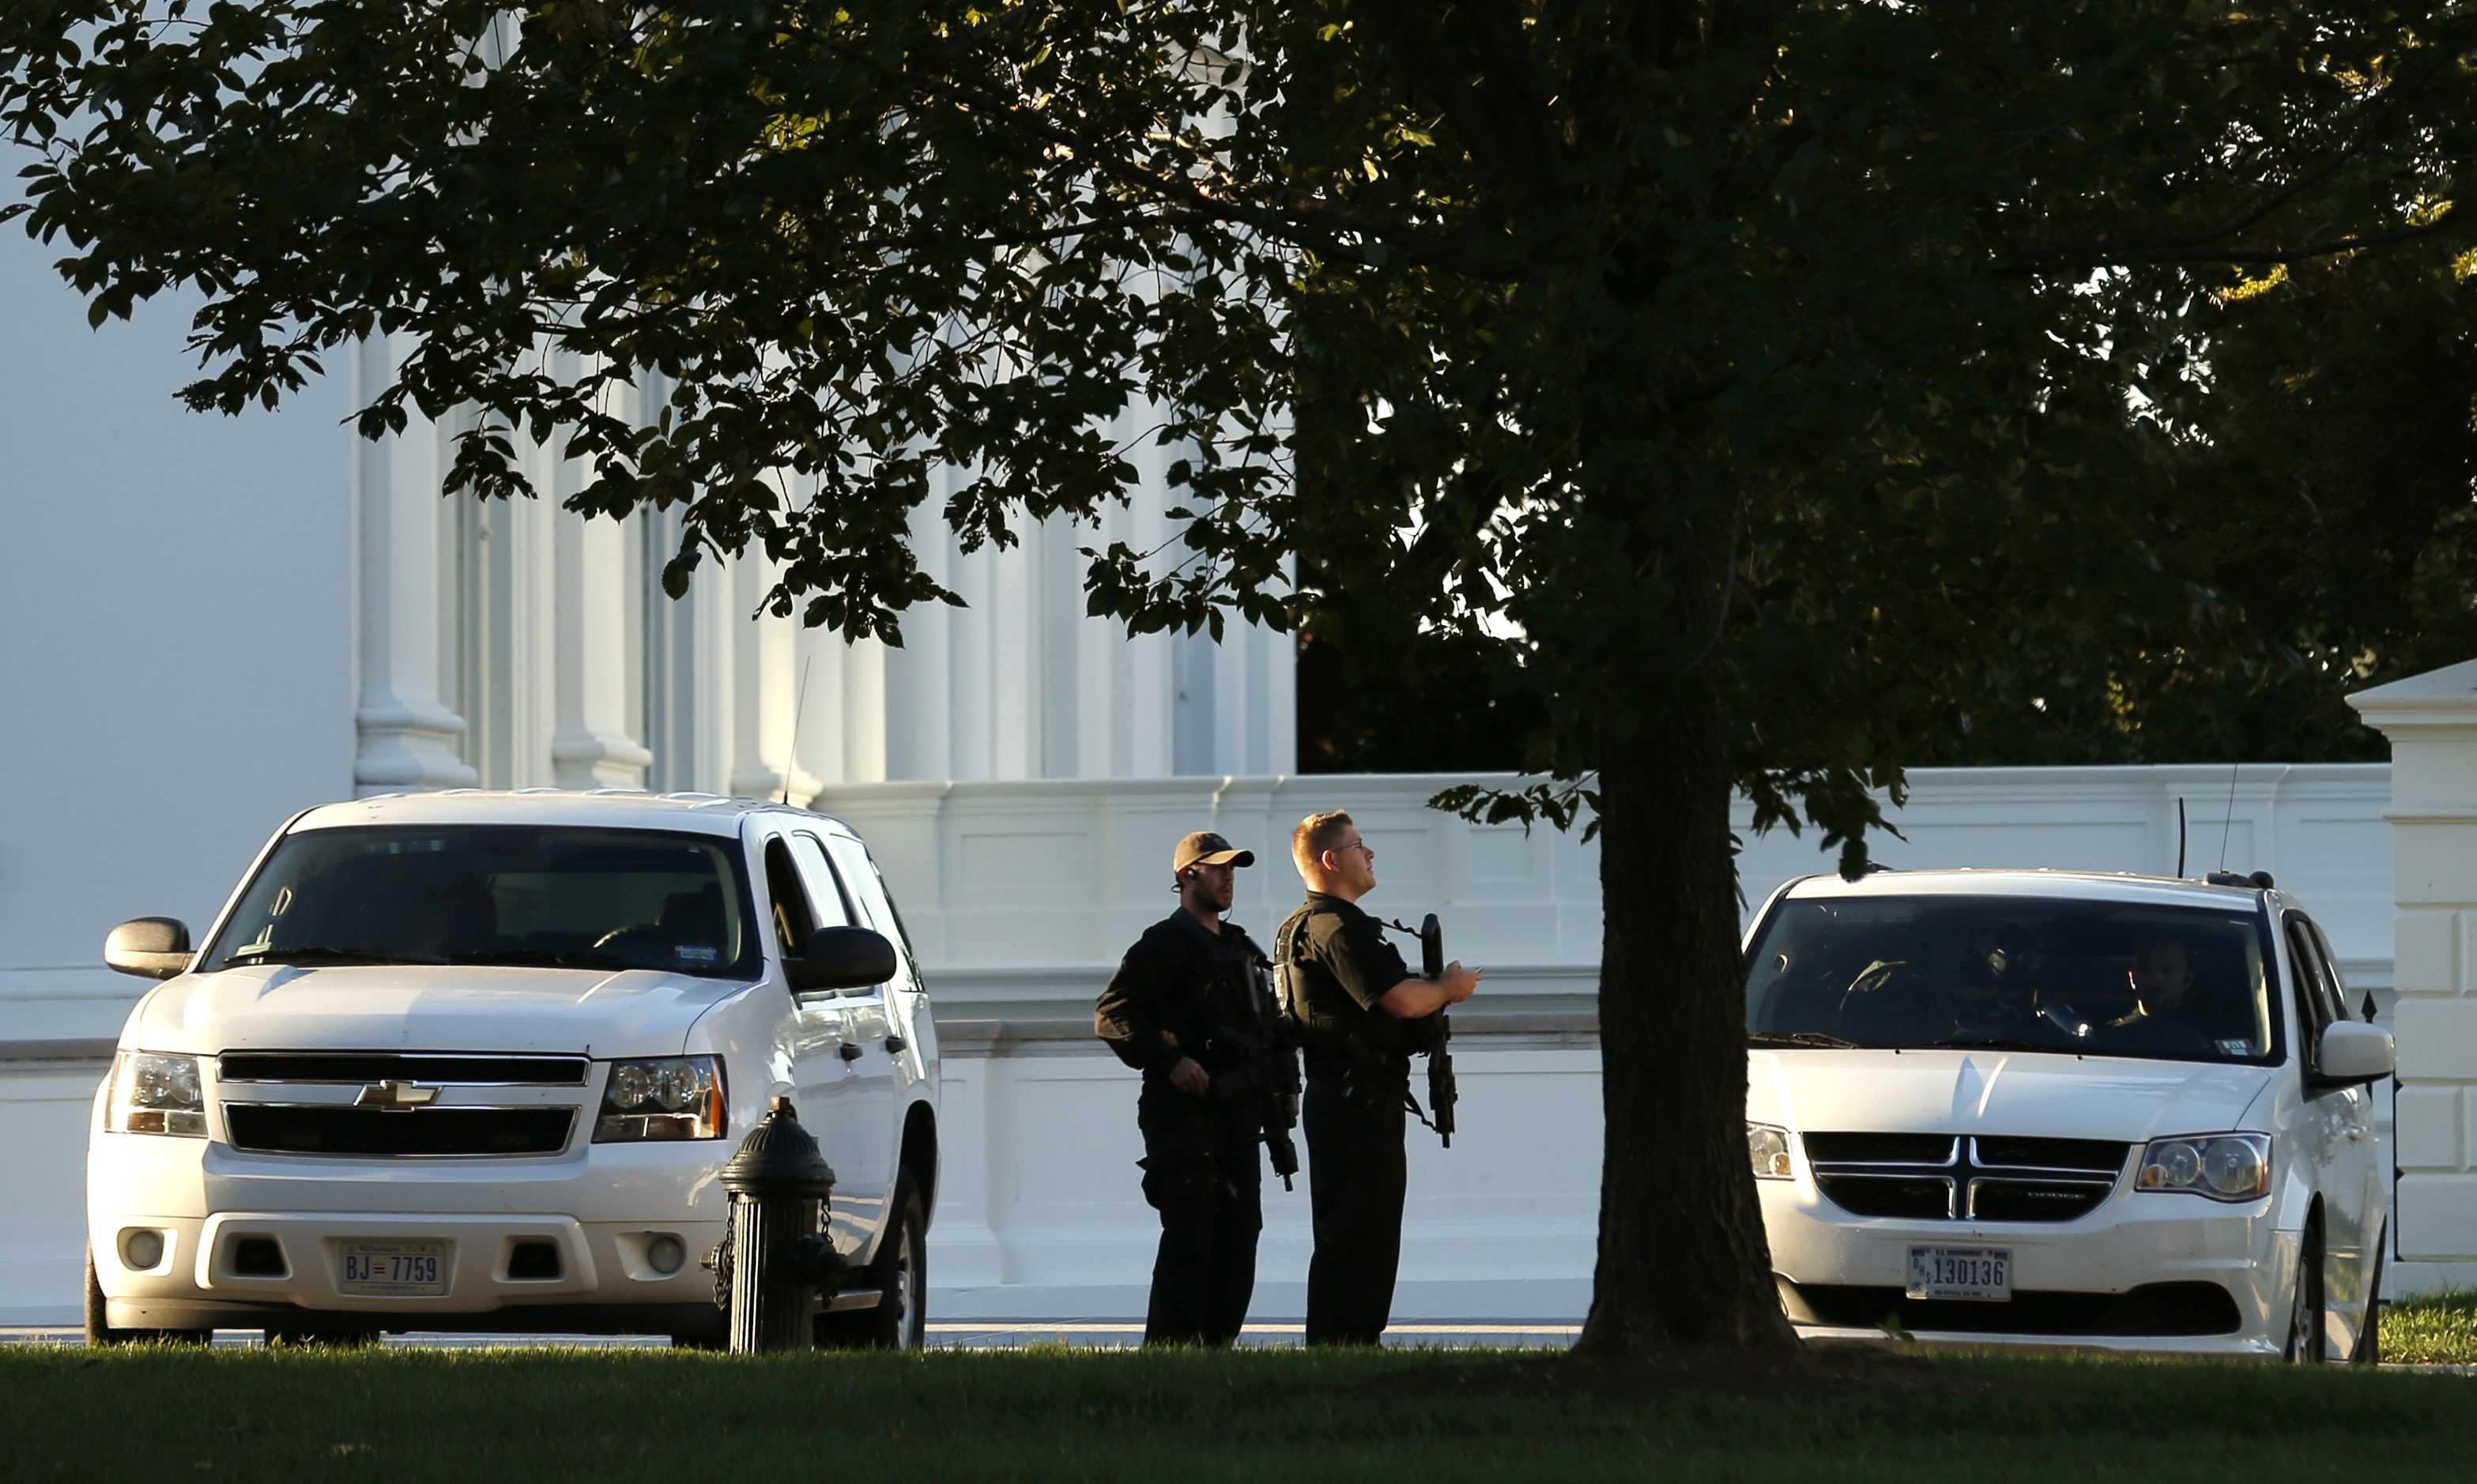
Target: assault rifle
1267	1073
1431	1034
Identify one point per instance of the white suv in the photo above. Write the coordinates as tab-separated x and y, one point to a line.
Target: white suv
471	1061
2045	1109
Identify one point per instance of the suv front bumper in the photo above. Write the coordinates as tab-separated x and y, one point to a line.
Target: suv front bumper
258	1240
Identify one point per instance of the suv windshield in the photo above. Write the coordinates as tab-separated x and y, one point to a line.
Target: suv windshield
497	894
2090	979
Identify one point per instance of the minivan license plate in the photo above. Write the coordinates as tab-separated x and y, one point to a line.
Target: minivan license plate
393	1269
1981	1273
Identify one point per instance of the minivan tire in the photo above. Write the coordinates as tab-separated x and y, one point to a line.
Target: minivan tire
2306	1344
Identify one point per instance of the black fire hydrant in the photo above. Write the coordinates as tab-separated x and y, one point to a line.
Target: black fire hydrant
775	1253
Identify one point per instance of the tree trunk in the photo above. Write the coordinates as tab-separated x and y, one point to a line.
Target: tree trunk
1682	1259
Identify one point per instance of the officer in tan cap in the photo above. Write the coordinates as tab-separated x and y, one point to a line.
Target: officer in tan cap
1191	1007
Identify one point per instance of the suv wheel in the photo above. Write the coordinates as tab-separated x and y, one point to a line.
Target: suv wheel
901	1277
98	1321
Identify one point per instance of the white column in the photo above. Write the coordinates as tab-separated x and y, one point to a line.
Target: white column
919	713
407	735
763	681
2430	721
591	745
862	714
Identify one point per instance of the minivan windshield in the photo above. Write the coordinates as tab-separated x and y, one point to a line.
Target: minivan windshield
2090	979
512	895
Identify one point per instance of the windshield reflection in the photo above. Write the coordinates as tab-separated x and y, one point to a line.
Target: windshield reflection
2012	974
496	895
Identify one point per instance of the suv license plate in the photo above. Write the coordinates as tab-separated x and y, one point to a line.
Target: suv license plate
393	1270
1981	1273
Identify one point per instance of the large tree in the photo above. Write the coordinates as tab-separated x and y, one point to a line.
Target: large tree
1742	386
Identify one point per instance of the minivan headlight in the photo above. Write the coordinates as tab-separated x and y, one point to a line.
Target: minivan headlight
2222	1166
661	1097
154	1094
1768	1150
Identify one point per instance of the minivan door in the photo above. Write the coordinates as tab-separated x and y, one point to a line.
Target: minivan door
2341	1124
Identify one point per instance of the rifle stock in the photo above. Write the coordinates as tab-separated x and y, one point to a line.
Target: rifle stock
1438	1032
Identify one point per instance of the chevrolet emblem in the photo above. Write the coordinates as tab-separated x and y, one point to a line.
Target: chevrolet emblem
396	1096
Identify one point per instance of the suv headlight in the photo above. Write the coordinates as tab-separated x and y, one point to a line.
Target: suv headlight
2222	1166
1768	1150
154	1094
661	1097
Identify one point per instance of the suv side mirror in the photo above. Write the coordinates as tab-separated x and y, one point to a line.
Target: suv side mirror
2353	1052
153	948
840	958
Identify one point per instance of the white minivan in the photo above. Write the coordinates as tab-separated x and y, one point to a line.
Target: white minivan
472	1061
2045	1108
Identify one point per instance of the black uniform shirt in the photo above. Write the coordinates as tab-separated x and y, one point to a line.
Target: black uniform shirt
1341	965
1179	987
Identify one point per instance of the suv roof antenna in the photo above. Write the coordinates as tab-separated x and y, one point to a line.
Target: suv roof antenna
2180	834
2228	815
799	705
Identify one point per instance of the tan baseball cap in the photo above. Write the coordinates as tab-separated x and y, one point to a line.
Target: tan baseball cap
1204	848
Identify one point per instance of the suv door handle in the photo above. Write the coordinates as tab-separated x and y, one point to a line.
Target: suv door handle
895	1043
2356	1131
850	1052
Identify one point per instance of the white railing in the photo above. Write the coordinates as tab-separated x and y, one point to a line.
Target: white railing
1023	891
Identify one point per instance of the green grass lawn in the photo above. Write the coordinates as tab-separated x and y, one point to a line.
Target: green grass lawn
2436	1329
614	1416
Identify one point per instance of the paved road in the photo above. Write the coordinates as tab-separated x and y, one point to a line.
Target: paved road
993	1334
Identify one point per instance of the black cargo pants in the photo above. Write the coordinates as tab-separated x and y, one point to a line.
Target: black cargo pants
1355	1178
1203	1174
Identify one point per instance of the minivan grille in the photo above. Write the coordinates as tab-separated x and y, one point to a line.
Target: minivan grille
279	1128
1967	1177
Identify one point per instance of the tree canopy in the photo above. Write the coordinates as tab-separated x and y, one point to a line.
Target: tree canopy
1749	390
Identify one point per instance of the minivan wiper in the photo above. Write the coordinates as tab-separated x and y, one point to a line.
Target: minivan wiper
543	957
1798	1038
1995	1044
314	953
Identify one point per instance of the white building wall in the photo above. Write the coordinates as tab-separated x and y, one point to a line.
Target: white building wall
2430	721
177	650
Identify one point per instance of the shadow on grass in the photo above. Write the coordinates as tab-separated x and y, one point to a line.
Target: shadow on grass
411	1415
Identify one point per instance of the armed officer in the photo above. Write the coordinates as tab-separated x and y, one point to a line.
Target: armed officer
1352	999
1191	1006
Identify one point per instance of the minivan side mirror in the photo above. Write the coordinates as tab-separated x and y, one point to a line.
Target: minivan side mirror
153	948
840	958
2354	1052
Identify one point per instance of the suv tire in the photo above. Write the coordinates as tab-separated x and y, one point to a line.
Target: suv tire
98	1321
901	1277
